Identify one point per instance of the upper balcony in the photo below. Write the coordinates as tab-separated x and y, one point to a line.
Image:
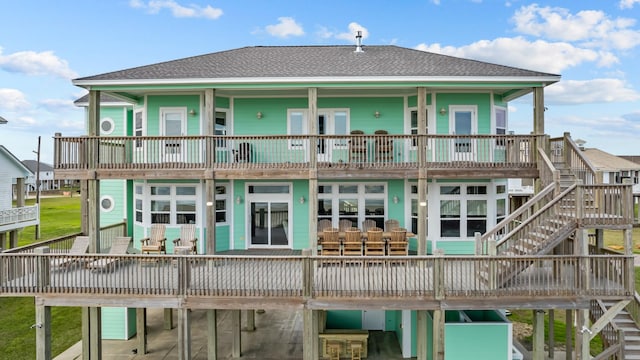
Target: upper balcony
19	217
301	156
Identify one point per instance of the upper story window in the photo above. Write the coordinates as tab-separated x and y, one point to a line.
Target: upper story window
138	126
413	124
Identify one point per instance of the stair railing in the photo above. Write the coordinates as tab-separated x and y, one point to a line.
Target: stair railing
612	336
548	173
560	207
580	166
516	218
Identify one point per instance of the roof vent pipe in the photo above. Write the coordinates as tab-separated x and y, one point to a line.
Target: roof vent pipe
359	42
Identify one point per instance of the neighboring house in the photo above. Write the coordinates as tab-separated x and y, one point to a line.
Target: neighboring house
614	169
258	145
12	175
47	181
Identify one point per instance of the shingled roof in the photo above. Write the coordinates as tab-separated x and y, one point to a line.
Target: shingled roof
314	61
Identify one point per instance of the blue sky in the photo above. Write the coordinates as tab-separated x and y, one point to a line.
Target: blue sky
594	45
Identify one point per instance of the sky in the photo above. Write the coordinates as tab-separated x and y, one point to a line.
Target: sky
593	44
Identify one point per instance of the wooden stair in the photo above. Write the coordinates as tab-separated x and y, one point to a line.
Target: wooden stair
625	322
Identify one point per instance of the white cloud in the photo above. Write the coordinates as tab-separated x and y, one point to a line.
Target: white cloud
537	55
177	10
590	28
350	35
570	92
12	100
286	27
628	4
36	63
57	104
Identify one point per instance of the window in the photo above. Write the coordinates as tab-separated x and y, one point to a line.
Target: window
413	125
138	127
355	202
476	217
296	125
450	218
414	208
173	204
463	210
501	123
106	203
138	199
222	199
221	127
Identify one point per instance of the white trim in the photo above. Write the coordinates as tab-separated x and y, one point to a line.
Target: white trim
454	80
275	197
182	110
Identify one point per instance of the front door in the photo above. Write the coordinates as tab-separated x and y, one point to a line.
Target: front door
323	149
173	124
269	212
463	122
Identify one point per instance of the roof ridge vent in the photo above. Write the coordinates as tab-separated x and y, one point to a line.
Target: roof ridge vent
359	42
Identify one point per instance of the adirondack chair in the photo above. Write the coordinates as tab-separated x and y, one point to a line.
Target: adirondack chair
119	246
330	242
357	147
345	224
324	224
374	246
156	241
187	241
352	245
398	244
368	224
391	224
79	247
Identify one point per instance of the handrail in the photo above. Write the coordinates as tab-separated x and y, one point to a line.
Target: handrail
517	217
548	173
612	335
542	211
578	163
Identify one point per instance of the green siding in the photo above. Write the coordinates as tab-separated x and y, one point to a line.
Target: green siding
396	211
456	247
482	341
361	112
274	119
118	115
481	100
300	216
239	216
223	237
118	323
116	190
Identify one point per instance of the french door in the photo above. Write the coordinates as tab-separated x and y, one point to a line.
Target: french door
269	214
463	121
173	123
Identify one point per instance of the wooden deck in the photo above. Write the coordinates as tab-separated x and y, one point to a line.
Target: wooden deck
233	282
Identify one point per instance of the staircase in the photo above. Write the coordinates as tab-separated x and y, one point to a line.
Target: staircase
622	324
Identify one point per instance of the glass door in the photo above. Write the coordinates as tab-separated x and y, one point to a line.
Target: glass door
173	124
463	122
322	142
269	223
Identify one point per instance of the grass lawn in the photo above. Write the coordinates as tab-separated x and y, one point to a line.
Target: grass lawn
58	216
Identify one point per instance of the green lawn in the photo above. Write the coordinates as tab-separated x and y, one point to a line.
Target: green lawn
58	216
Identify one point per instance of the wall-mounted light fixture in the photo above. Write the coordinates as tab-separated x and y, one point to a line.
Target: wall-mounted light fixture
209	203
192	112
443	111
376	114
301	199
259	115
423	203
238	200
395	199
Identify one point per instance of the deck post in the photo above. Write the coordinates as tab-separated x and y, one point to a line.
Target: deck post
422	171
568	338
251	320
43	331
212	338
438	335
538	335
438	274
312	125
141	330
236	333
210	193
168	319
552	342
310	348
421	335
184	334
92	333
582	335
13	239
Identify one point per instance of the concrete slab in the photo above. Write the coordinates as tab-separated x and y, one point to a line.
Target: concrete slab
278	336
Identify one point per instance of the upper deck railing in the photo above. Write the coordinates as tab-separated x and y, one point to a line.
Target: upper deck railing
19	217
295	152
565	150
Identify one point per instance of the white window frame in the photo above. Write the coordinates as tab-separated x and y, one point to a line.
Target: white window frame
453	109
172	197
411	196
409	129
224	198
141	128
293	144
361	196
490	199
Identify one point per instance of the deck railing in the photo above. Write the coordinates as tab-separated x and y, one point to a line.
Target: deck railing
19	215
565	150
294	151
407	278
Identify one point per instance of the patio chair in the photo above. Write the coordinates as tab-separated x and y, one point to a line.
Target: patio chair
391	224
119	246
383	147
357	147
397	244
330	245
324	224
352	245
79	247
374	245
368	224
345	224
187	241
156	241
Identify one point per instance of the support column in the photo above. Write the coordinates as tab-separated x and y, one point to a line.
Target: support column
94	315
422	171
13	239
568	338
168	319
141	330
312	126
236	333
421	335
251	320
582	335
212	338
438	335
552	336
210	184
538	111
538	335
43	332
310	348
184	334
